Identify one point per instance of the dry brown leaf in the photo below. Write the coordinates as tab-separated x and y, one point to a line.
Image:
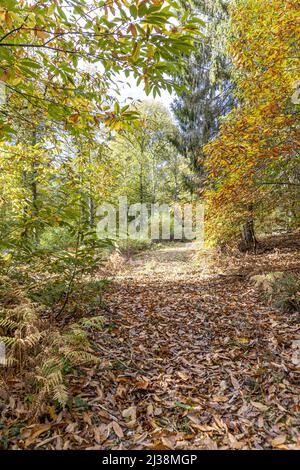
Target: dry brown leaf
36	432
121	390
142	383
194	359
183	376
130	413
279	440
150	410
117	429
219	399
259	406
193	418
167	442
234	382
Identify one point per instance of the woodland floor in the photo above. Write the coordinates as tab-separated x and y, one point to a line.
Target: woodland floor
191	358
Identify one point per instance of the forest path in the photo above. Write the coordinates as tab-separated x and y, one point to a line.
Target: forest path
169	261
191	358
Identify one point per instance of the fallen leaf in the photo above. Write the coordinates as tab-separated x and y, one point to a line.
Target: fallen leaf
279	440
167	442
259	406
117	429
130	413
36	432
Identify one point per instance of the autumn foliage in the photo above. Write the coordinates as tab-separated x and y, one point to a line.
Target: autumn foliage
256	150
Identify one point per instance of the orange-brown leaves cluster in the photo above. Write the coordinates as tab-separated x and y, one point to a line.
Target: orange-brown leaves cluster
262	131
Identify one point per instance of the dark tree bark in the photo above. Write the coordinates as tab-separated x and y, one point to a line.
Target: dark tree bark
249	240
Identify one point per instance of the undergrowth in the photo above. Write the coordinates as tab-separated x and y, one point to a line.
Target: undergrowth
285	294
42	349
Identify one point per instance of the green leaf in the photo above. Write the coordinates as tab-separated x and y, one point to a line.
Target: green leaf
178	404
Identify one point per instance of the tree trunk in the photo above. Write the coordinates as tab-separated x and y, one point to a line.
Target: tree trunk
141	184
92	211
34	193
249	241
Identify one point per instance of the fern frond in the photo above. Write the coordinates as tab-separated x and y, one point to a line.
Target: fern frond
60	394
76	335
9	340
49	367
11	361
7	323
93	322
32	340
51	380
79	357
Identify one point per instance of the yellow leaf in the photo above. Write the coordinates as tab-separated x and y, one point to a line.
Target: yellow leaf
41	34
243	340
52	413
136	51
8	19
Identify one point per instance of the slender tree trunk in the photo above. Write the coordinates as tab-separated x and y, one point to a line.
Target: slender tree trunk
176	179
34	193
25	212
141	175
92	211
153	196
248	233
141	184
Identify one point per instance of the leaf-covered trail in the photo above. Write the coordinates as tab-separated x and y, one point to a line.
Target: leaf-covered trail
190	357
193	359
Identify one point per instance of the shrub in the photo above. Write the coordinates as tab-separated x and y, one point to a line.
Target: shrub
56	238
281	290
286	294
44	352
